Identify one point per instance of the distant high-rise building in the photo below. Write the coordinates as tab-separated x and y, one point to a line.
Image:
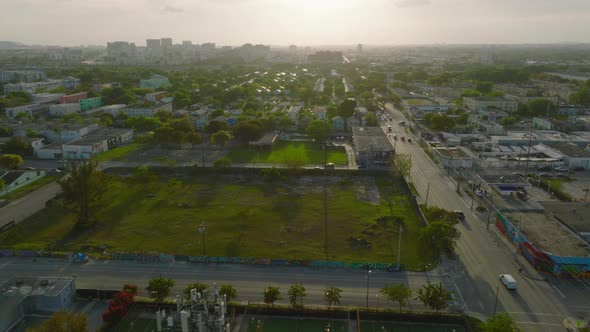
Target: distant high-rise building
121	51
166	42
359	48
293	48
187	43
154	47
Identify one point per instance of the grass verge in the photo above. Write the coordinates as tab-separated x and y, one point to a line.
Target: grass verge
310	152
119	153
31	187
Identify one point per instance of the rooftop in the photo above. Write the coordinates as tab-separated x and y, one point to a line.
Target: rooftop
371	139
571	150
574	215
452	153
548	234
21	287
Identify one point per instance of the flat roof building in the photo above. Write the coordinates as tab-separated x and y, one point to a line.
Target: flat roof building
372	147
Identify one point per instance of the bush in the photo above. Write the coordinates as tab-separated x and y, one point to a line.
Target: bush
224	162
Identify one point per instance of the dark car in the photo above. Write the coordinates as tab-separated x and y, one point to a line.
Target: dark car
460	215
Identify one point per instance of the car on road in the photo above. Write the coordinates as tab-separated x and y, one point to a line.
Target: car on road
402	123
409	140
518	174
388	129
29	168
317	167
330	166
561	169
460	215
395	137
508	281
544	168
403	139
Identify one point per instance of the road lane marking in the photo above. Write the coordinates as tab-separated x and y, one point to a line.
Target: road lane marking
537	323
558	291
3	265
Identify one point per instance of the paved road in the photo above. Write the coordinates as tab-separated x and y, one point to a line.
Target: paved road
250	281
26	206
484	254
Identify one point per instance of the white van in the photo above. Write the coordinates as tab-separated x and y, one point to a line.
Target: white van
508	281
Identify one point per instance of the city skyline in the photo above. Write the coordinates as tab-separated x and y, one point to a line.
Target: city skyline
304	22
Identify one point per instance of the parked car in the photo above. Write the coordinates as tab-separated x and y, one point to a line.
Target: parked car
330	166
544	168
561	169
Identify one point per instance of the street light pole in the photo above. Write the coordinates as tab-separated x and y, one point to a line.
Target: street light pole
368	278
496	301
427	192
399	247
202	229
585	195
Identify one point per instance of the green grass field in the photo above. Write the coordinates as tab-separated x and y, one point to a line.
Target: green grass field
244	216
118	153
312	153
275	324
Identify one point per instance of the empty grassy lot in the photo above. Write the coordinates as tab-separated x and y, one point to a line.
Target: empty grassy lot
311	152
119	153
305	217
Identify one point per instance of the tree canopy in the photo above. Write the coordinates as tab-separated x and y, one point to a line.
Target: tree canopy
397	293
501	322
271	295
332	295
64	321
159	288
435	296
11	161
247	130
319	130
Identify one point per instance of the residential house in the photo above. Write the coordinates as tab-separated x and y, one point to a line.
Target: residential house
353	121
18	178
319	112
46	98
140	110
338	123
201	123
30	109
371	146
571	110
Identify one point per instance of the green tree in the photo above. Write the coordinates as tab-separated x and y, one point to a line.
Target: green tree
271	295
17	146
11	161
5	131
397	293
84	187
371	120
434	296
164	135
346	108
2	184
229	291
440	235
582	96
332	295
159	288
502	322
63	321
247	130
484	87
194	139
296	292
319	130
402	165
199	286
221	138
215	126
224	162
540	107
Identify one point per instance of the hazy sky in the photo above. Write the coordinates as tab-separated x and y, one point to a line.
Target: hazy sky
301	22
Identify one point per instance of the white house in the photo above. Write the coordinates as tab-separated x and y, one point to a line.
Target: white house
16	179
29	109
68	132
88	146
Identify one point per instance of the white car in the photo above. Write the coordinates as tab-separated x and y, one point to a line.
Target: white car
562	169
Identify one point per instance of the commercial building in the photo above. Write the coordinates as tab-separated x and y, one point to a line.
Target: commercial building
61	110
74	98
45	98
24	296
539	137
475	104
67	132
88	146
575	157
371	146
90	103
420	110
154	82
453	157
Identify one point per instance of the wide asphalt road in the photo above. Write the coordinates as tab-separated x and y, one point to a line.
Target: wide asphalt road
484	254
250	281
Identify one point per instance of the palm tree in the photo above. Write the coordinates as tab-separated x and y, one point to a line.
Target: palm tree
296	291
332	295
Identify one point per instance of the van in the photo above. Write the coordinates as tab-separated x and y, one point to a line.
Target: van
508	281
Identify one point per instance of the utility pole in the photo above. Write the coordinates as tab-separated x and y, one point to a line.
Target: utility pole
427	192
472	194
203	152
399	247
528	154
491	200
585	195
496	301
368	278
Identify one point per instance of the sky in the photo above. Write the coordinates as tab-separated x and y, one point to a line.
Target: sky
299	22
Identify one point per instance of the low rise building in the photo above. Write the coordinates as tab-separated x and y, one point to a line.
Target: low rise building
61	110
371	146
18	178
140	110
7	76
21	297
420	110
453	157
30	88
29	109
492	114
88	146
154	82
67	132
575	157
475	104
539	137
73	98
90	103
46	98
